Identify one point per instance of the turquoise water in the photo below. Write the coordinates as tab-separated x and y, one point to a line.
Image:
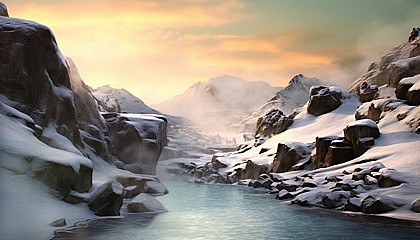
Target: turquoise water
231	212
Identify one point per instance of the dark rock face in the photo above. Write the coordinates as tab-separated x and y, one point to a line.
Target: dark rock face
338	152
367	92
323	100
332	150
34	73
138	141
93	127
61	177
286	157
272	123
251	171
3	10
372	205
402	90
358	132
108	199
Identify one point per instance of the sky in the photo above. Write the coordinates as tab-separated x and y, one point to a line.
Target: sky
157	49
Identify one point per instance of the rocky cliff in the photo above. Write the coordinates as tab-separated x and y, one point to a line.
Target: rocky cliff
52	131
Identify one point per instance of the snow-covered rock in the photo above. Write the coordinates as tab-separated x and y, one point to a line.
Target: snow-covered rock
359	133
273	122
145	203
107	199
324	99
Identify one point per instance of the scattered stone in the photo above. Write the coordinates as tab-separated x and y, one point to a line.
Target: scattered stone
59	223
367	92
309	184
415	206
353	205
389	178
284	194
370	180
287	186
372	205
108	199
360	175
145	203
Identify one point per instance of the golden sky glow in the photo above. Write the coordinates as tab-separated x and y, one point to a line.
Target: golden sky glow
156	49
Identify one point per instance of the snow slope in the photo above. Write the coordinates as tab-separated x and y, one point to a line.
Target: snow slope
397	149
295	95
127	101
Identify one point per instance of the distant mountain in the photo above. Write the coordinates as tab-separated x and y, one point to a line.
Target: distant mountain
219	100
120	100
295	95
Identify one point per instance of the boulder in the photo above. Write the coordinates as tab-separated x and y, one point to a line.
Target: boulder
145	203
251	170
415	206
401	69
389	178
135	185
355	133
334	199
286	157
273	122
403	87
372	205
367	92
284	194
59	222
413	91
107	199
321	145
323	99
353	205
138	140
338	152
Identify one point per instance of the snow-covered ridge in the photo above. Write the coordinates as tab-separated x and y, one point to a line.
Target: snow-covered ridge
128	102
295	95
219	100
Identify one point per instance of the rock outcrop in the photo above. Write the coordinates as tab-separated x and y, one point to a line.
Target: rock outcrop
138	140
361	134
272	123
323	99
287	156
401	62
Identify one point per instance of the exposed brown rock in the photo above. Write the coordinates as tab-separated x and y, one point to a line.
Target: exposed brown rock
323	100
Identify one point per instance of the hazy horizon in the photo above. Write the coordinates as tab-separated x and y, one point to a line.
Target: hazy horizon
156	50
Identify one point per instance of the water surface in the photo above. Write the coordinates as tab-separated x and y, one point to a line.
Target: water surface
231	212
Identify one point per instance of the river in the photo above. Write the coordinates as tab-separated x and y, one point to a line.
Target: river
198	211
